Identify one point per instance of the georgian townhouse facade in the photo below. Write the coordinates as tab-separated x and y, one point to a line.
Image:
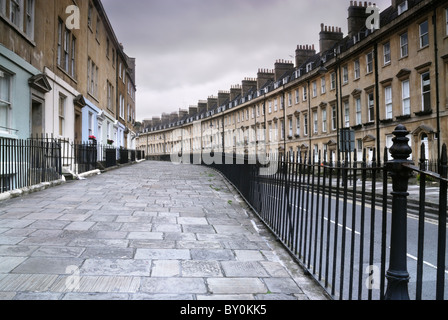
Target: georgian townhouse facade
70	55
349	96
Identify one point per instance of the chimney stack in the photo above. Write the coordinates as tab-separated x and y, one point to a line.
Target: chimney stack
281	67
357	16
202	106
211	101
223	97
192	110
247	84
264	76
174	117
329	36
182	114
156	121
303	53
235	91
165	118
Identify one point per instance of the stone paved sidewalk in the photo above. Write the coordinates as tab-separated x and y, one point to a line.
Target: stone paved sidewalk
148	231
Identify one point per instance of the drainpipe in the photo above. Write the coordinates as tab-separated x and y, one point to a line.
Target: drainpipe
377	102
436	53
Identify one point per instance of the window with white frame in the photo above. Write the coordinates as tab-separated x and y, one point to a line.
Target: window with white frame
426	91
97	31
309	67
90	124
305	93
323	85
16	13
386	53
298	125
402	7
66	49
357	69
282	127
276	131
406	97
315	122
314	89
424	34
333	81
371	107
347	114
73	58
270	106
290	127
305	124
369	61
122	107
275	105
388	102
29	19
404	45
297	96
289	99
333	118
345	74
110	91
324	120
3	7
92	78
446	21
358	111
62	102
59	52
89	15
5	102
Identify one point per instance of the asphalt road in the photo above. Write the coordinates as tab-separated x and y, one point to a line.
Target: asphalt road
357	240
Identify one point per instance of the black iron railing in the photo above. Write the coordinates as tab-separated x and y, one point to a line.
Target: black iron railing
337	221
24	163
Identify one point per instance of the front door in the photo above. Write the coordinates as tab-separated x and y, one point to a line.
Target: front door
36	119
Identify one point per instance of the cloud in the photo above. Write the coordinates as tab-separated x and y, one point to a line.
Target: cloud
187	50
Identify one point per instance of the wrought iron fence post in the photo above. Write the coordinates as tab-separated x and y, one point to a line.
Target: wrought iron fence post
398	275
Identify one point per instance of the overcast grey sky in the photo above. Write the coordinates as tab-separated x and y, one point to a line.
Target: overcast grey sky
188	50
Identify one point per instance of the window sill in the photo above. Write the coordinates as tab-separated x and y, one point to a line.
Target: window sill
423	113
7	135
20	32
403	117
386	121
423	48
67	74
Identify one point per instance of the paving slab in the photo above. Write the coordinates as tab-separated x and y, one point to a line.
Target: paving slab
151	231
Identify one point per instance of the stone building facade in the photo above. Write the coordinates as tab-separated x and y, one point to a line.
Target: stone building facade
350	95
62	71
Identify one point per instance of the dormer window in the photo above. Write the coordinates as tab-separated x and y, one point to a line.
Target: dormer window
309	67
403	7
